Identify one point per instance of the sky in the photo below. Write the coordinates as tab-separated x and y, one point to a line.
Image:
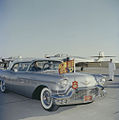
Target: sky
33	28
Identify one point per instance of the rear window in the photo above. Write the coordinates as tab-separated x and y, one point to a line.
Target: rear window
23	66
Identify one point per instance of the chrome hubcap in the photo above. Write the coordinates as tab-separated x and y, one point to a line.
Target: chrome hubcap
47	98
2	86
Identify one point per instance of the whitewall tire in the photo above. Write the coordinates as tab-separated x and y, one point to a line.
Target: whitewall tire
46	100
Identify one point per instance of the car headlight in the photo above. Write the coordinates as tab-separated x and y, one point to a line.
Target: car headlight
63	83
101	81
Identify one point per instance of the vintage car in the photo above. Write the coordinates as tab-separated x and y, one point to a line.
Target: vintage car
40	79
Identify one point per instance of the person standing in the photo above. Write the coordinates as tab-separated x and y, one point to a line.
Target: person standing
112	68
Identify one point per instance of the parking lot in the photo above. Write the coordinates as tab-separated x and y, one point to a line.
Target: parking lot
17	107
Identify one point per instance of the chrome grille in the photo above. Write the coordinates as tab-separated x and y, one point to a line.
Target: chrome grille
81	93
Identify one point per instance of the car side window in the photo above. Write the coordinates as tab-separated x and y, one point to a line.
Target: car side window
35	67
44	65
20	67
23	66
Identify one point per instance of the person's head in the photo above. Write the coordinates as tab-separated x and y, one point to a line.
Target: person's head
35	64
110	60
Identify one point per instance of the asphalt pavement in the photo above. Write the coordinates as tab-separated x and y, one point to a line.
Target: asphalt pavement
17	107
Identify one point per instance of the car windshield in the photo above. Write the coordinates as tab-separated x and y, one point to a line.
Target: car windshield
44	65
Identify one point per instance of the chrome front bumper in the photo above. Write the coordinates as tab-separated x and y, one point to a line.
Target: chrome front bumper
78	96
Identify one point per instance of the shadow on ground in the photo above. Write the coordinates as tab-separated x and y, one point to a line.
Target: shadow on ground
17	107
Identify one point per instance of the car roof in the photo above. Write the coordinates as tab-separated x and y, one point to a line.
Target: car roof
35	59
30	60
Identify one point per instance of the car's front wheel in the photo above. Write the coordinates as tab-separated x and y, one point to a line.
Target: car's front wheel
47	101
2	86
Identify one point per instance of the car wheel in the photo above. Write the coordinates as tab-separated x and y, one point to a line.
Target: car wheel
2	86
47	101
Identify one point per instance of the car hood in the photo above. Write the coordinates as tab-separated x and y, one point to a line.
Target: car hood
84	80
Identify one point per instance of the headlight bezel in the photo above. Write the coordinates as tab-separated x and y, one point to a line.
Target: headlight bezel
63	83
100	80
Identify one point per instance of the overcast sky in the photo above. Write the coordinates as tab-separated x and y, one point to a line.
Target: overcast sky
32	28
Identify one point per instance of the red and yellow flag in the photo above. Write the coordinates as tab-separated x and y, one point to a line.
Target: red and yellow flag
66	67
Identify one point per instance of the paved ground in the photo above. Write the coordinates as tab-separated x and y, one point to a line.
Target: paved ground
17	107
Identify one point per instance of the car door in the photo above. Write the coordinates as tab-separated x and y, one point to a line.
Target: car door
10	77
13	79
21	81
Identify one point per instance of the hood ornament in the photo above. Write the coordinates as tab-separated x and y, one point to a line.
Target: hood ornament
86	82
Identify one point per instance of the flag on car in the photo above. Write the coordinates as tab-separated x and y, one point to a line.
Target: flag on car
66	67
